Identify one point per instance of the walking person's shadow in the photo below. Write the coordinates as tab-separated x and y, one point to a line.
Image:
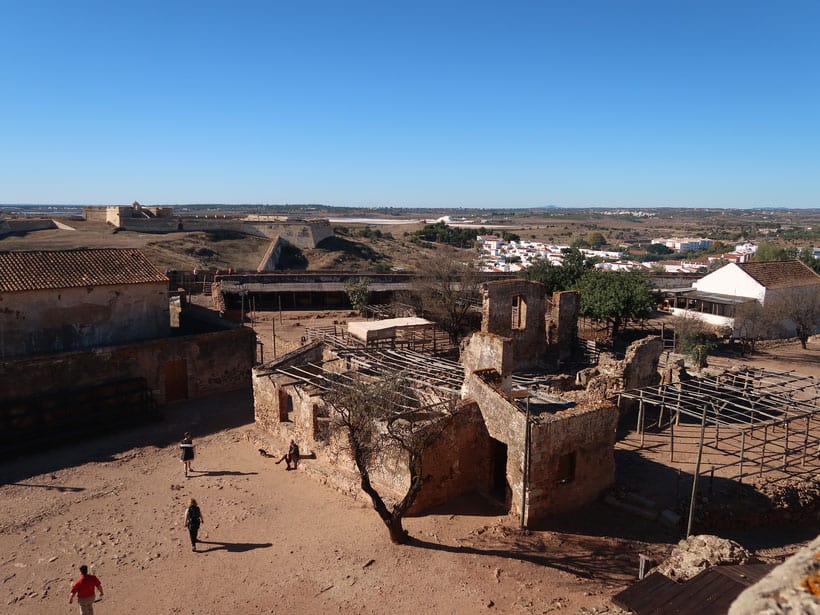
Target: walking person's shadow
233	547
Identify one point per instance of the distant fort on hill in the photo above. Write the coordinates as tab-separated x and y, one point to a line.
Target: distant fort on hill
302	233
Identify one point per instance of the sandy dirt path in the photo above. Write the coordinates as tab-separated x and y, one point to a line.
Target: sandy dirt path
273	541
281	542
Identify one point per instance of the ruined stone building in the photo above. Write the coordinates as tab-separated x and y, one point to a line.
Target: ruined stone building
512	437
88	333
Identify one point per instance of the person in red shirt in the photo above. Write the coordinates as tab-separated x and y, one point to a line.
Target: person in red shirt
84	588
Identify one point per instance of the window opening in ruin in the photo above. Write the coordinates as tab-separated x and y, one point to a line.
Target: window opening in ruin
499	490
566	468
519	312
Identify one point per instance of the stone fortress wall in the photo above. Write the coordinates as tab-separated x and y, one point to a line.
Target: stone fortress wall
303	234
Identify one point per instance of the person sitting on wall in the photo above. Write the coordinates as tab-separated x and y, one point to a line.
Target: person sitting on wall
292	456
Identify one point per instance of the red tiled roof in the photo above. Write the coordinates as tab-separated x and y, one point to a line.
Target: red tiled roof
781	274
40	270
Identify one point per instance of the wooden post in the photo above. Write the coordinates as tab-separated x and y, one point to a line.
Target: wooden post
742	451
805	441
697	473
671	440
786	448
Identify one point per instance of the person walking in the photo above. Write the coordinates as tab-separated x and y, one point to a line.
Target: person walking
187	452
193	519
84	589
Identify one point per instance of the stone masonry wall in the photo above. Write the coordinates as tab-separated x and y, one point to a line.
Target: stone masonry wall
566	306
529	332
589	433
215	362
488	351
506	424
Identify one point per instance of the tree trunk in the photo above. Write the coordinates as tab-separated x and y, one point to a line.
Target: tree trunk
398	535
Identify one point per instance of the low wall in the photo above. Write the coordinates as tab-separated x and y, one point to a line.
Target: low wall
203	364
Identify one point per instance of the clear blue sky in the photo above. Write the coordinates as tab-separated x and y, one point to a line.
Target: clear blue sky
417	103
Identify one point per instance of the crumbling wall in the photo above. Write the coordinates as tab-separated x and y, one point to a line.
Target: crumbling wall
638	368
563	322
458	462
272	400
488	351
515	309
571	459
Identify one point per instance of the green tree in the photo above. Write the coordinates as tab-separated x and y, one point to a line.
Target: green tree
659	249
806	255
693	339
616	298
358	292
771	252
594	239
558	277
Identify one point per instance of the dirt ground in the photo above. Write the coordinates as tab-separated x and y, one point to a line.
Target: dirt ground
275	541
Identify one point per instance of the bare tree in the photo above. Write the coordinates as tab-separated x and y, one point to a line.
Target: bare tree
380	418
750	323
448	291
797	313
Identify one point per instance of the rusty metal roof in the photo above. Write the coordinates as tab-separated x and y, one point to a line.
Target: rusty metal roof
709	593
41	270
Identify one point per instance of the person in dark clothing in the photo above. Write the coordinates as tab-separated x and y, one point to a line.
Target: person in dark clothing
187	452
292	456
193	519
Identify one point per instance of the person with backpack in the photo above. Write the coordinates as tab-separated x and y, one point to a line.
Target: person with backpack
187	453
193	519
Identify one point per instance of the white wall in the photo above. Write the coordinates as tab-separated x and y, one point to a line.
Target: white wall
731	280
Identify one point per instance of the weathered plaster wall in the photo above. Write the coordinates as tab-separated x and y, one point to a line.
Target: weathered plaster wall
589	433
214	362
528	334
488	351
44	322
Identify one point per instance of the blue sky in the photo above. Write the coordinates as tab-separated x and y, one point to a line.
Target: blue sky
474	104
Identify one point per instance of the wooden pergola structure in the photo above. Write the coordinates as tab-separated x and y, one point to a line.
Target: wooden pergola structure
749	424
751	421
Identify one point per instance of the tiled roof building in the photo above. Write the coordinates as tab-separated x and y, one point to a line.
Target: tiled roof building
40	270
71	300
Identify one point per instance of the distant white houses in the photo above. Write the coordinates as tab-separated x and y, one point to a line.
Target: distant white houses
716	298
685	244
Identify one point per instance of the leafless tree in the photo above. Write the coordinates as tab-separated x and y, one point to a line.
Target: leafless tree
384	418
448	292
797	313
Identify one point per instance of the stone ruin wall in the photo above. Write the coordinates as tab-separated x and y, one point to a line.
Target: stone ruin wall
528	334
562	323
457	463
588	433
